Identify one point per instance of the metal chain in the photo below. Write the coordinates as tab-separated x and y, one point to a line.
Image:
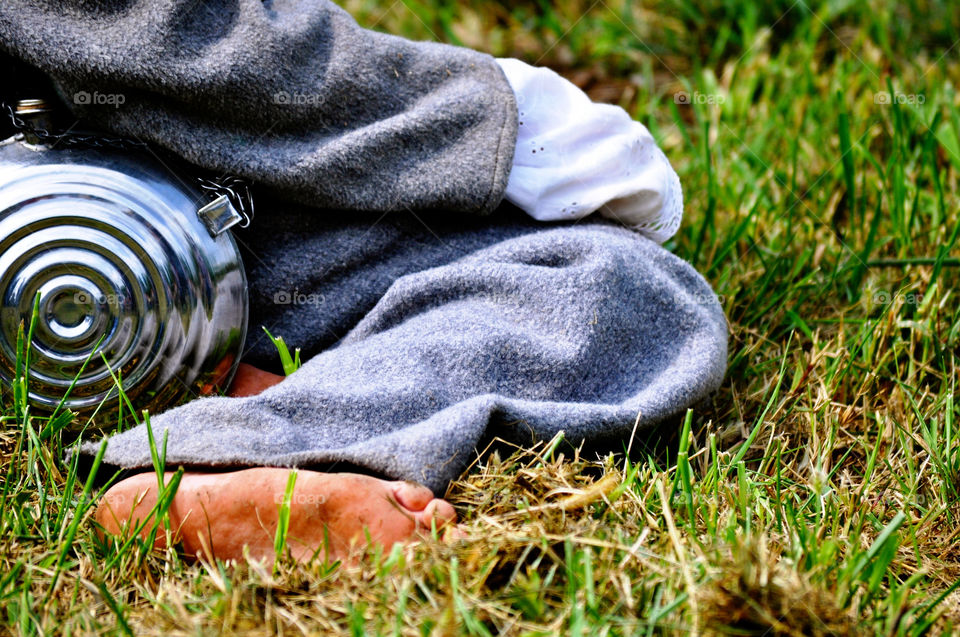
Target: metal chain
234	188
69	139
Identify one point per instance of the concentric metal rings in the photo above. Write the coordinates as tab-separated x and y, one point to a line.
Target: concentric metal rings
129	283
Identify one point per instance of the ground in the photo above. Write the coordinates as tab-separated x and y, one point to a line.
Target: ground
819	148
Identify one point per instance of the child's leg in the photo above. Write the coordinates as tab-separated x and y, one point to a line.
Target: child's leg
250	381
575	328
218	514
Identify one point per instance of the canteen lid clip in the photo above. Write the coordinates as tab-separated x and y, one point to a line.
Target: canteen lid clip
219	215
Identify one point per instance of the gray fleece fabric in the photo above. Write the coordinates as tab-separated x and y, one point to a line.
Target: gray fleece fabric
429	331
291	94
428	336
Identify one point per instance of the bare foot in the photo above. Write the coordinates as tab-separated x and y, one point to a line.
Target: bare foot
330	513
250	381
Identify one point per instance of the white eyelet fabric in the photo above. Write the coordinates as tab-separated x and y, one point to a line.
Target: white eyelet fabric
575	157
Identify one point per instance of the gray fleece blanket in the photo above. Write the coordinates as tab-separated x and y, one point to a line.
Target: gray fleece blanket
428	336
429	330
289	93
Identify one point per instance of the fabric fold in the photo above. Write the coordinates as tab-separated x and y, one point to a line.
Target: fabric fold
462	333
292	94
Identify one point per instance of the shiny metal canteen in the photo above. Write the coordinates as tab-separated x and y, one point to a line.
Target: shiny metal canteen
136	273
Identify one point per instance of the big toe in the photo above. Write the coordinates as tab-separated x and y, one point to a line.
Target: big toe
437	513
107	518
116	507
412	496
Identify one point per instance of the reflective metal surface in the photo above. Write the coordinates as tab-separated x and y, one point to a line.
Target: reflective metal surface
131	282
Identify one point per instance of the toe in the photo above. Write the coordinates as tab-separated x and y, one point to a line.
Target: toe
437	512
454	533
107	518
412	496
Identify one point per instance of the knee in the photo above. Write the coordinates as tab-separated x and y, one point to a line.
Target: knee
613	259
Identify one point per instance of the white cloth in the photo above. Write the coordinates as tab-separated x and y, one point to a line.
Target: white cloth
575	157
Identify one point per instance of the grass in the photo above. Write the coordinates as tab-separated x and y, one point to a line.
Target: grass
819	147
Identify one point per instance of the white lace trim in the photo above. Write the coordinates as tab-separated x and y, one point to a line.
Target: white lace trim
574	157
666	220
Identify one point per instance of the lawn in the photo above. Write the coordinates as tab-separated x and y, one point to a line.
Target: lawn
817	494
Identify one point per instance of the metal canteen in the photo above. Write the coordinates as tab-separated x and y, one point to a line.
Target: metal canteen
137	279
